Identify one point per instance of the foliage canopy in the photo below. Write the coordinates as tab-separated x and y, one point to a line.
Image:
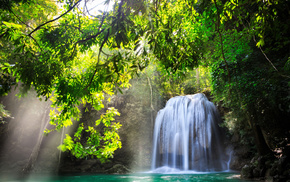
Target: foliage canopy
72	56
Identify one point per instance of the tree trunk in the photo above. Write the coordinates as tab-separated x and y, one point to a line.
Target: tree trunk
34	154
262	147
151	106
197	79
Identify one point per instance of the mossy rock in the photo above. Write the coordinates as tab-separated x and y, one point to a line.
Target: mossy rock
118	169
247	172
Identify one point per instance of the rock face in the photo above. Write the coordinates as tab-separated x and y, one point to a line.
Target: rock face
269	168
118	169
240	156
247	172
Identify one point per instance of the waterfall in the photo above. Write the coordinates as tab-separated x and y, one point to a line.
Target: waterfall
187	137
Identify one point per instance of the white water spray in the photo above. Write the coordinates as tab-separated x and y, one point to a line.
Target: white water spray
187	137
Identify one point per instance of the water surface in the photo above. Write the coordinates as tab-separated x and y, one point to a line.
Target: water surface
139	177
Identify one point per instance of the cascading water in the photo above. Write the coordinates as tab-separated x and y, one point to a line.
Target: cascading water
187	137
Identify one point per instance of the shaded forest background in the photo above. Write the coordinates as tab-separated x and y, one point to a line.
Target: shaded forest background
71	55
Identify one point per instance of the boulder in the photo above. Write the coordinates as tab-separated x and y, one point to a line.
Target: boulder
118	169
247	172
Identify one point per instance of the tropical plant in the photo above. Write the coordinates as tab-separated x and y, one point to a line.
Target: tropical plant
73	57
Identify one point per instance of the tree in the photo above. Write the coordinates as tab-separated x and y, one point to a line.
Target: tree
49	55
75	58
250	66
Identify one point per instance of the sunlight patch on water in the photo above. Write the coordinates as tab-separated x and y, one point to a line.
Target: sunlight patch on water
169	170
235	176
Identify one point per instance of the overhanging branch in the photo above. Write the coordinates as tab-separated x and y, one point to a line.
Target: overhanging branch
100	50
39	26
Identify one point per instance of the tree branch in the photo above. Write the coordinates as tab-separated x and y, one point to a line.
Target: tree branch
268	58
266	55
20	19
272	63
108	55
1	35
35	42
221	41
100	50
90	37
37	28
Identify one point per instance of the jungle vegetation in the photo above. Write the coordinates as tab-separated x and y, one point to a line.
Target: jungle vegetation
74	54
